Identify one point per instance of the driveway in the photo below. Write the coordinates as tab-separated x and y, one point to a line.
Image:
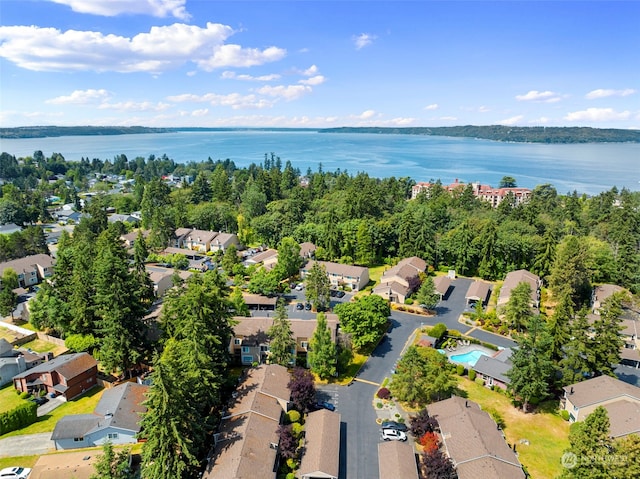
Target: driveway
28	444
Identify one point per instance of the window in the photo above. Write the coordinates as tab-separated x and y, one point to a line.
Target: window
246	349
304	345
247	359
237	341
264	349
112	435
78	439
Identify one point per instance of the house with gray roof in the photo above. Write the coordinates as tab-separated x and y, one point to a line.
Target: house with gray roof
322	446
620	399
341	275
493	369
478	292
601	293
15	361
116	419
442	285
31	269
473	441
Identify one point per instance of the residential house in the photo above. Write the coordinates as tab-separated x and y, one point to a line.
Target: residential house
620	399
31	269
321	458
257	302
199	240
630	351
308	250
250	341
75	465
222	241
179	237
69	216
397	283
15	361
268	259
246	445
494	196
114	218
425	187
66	376
513	279
478	292
341	275
397	459
601	293
116	419
130	238
162	278
493	369
473	441
442	285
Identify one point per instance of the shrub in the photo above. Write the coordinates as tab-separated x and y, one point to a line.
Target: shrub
460	370
291	464
564	414
24	395
18	417
297	429
379	405
291	475
383	393
479	381
472	374
438	330
429	441
293	416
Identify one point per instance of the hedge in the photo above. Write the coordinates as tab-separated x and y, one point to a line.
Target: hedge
19	417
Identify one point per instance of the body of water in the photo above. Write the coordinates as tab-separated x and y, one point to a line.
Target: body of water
586	168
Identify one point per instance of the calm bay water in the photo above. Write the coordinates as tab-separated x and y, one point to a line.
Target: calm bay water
587	168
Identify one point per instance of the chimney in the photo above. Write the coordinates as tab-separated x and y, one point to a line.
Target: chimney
466	404
571	390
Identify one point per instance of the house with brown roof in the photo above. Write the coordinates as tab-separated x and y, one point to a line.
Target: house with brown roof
268	258
397	283
341	275
473	441
67	376
601	293
513	279
250	341
199	240
76	465
307	250
222	241
478	292
162	278
31	269
246	445
116	419
129	239
258	302
442	285
397	459
620	399
321	458
15	361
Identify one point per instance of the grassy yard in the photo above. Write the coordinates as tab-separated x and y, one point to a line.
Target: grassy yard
546	431
83	405
22	461
9	398
42	346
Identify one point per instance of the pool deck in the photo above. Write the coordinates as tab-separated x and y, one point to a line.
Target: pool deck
468	349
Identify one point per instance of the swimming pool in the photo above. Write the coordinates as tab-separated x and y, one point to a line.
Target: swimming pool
470	358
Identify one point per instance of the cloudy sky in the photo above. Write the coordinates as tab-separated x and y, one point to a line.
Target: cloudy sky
300	63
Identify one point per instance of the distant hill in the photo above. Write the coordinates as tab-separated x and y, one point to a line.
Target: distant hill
48	131
519	134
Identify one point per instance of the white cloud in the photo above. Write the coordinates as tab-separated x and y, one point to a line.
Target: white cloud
201	112
312	70
483	109
363	40
313	81
162	48
539	96
597	114
448	118
80	97
235	101
365	115
433	106
288	92
134	106
230	75
514	120
604	93
111	8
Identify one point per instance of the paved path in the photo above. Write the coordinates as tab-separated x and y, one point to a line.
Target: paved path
26	445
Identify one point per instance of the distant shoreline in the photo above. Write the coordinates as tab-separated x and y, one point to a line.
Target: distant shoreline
533	134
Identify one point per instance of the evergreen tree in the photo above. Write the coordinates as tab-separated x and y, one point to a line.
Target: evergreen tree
112	465
532	368
518	310
282	343
289	260
606	342
575	365
427	295
172	426
318	287
558	327
200	190
569	272
322	355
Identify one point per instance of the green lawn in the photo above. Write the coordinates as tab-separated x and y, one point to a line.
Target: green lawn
22	461
9	398
42	346
547	432
83	405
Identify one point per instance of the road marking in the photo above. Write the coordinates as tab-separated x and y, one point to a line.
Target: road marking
365	381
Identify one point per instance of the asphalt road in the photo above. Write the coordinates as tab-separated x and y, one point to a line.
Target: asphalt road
29	444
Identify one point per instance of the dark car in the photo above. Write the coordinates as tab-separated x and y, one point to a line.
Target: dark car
299	306
325	405
398	426
307	306
340	294
39	400
333	293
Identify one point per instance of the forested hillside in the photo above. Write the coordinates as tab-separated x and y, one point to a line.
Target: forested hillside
353	219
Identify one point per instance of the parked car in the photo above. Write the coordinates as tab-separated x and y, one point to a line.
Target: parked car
398	426
393	435
15	473
299	287
39	400
333	293
307	306
325	405
299	306
340	294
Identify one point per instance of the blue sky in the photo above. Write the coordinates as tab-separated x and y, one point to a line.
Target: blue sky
319	63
